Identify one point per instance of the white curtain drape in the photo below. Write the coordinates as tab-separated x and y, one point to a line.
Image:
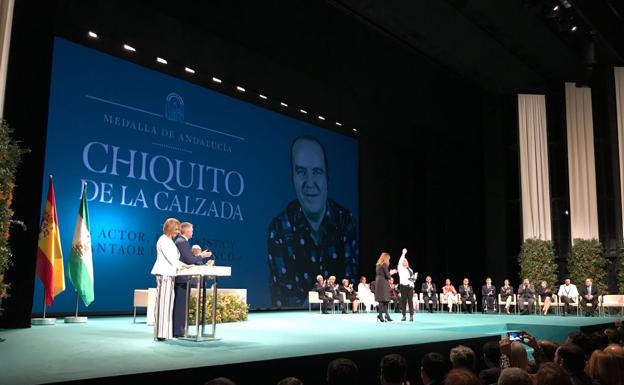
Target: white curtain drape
6	21
619	106
534	181
581	163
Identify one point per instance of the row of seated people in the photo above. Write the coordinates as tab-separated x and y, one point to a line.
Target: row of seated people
525	299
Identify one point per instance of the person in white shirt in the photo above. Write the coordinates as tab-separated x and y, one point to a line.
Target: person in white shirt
165	269
407	277
366	296
567	294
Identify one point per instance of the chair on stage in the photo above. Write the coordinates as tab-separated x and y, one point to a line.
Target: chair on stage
553	304
421	301
442	304
313	297
611	301
484	304
574	303
144	298
472	303
589	304
346	301
501	304
526	303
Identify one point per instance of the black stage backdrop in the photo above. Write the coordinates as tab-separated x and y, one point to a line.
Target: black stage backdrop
438	154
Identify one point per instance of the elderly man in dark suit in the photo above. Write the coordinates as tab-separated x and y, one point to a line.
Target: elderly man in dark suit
589	295
429	294
186	256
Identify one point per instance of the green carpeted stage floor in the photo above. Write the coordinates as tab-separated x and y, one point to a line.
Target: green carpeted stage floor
108	346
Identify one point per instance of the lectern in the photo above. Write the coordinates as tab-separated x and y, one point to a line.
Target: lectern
202	273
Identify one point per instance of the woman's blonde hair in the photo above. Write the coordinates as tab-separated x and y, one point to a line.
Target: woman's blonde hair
384	258
603	367
519	358
170	226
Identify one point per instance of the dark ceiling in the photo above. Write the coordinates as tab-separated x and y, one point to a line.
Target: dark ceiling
503	46
367	63
508	46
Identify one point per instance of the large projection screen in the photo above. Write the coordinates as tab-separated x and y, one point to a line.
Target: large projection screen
273	197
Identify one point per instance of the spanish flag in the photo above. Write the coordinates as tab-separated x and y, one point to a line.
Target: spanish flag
49	254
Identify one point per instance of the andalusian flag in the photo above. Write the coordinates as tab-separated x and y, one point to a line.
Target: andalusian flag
81	258
49	254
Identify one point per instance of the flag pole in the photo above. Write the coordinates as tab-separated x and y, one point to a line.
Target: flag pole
75	280
76	319
44	320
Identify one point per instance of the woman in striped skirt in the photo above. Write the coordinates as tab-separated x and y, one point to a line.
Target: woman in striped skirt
165	269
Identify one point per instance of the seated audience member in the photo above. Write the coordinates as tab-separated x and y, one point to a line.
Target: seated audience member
599	340
548	348
581	340
333	289
506	293
462	357
365	294
488	295
589	296
350	294
515	355
393	370
552	374
613	335
342	371
545	294
491	358
567	294
514	376
449	294
197	251
321	288
525	294
519	357
429	294
395	294
432	369
290	381
618	352
461	377
466	295
603	367
572	359
220	381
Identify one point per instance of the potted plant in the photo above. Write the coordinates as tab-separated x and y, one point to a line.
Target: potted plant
10	156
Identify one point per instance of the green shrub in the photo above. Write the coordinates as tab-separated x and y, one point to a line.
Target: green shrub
537	261
586	261
10	156
620	269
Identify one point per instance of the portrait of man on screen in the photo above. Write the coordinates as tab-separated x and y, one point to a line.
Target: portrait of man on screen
313	234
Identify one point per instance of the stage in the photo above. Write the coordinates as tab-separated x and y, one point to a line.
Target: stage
282	341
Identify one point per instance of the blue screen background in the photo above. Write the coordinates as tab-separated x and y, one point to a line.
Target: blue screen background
122	107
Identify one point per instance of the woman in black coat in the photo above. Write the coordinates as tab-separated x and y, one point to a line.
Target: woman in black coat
382	286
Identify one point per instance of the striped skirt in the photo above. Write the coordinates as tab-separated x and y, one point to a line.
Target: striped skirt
163	325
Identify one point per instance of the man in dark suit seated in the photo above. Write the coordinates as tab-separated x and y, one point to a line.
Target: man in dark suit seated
467	295
488	293
334	292
589	295
186	256
321	288
526	294
430	295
